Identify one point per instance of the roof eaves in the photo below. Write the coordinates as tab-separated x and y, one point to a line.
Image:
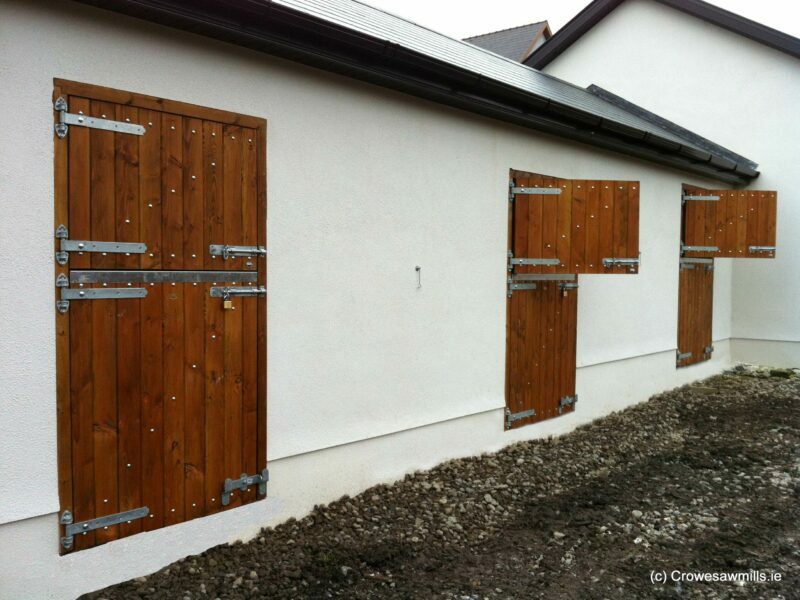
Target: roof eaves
723	157
291	30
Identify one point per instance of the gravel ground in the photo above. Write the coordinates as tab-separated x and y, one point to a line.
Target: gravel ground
704	478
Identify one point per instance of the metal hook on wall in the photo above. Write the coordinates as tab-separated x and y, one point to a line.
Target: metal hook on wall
418	269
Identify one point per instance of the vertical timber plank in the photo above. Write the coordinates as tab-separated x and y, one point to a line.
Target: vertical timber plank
250	358
152	377
174	402
249	195
232	186
731	204
126	158
150	203
194	245
261	231
606	224
80	319
82	405
633	220
578	241
741	224
233	363
103	202
709	235
213	169
771	199
620	228
105	425
535	224
249	392
593	259
129	398
215	400
172	191
64	420
564	225
549	223
194	392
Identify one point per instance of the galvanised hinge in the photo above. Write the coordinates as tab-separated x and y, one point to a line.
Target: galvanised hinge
567	401
71	529
688	198
513	191
66	119
682	356
512	417
243	483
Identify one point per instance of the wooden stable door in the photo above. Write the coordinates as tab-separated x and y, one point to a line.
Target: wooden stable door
695	302
729	223
558	228
575	226
161	315
541	350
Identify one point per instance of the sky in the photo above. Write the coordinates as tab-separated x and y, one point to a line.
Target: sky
464	19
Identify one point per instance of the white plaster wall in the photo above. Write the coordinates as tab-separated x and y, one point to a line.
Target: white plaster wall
364	184
736	92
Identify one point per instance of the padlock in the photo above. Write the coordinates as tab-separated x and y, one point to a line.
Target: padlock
227	304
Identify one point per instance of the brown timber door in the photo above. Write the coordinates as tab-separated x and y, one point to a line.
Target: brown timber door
541	350
729	223
558	228
695	301
716	224
161	343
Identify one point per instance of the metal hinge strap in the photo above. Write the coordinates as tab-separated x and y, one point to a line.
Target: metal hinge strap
755	249
66	119
687	198
72	529
699	248
243	483
68	294
535	262
683	355
567	401
67	246
543	277
227	252
512	417
536	190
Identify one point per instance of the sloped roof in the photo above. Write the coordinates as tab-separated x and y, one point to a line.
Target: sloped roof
357	40
515	43
597	10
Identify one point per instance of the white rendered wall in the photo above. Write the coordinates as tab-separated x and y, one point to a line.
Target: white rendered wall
738	93
365	370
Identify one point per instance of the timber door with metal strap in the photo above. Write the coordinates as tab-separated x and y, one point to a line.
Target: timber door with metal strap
716	224
728	223
695	302
558	229
160	283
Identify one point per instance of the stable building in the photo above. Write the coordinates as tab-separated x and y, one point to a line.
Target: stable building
284	251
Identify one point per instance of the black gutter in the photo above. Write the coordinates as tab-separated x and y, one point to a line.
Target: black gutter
283	32
742	163
597	10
